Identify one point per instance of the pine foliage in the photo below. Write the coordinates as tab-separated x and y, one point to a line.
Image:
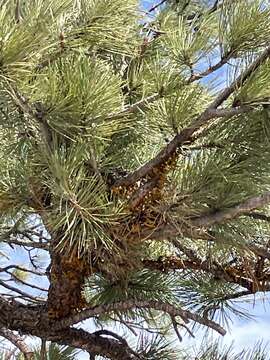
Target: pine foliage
115	144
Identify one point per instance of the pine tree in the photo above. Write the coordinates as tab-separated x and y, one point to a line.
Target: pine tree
135	154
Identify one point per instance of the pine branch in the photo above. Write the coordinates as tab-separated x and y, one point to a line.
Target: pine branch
143	103
31	244
132	304
180	139
186	134
117	337
227	274
197	226
34	272
18	291
16	278
224	60
231	213
17	341
34	321
28	233
93	344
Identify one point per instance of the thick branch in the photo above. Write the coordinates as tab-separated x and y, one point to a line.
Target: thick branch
33	320
177	141
94	344
17	341
197	226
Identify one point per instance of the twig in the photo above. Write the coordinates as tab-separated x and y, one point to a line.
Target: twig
211	69
18	12
34	272
242	78
187	329
18	291
110	333
16	278
153	8
43	350
33	244
125	323
174	323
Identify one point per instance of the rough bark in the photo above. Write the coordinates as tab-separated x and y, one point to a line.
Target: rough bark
34	320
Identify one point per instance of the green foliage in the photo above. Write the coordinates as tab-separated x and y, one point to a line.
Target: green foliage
244	25
170	114
155	348
211	297
186	47
214	351
101	24
80	202
143	285
257	87
56	352
91	91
